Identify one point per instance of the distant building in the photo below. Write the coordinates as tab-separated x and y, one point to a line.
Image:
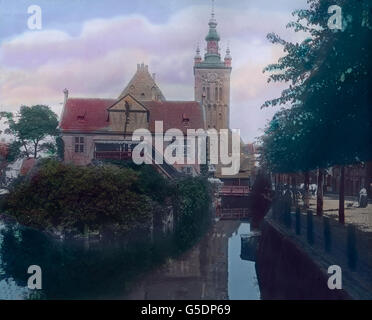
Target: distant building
212	91
27	165
357	176
4	149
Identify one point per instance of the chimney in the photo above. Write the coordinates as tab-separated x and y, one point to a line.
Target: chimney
65	92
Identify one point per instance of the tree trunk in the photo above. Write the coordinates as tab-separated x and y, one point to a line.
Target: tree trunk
35	150
319	193
306	189
25	146
294	189
341	205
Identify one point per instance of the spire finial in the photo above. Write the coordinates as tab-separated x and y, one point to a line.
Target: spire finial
212	9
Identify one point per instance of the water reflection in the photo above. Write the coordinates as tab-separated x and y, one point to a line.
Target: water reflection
243	284
211	270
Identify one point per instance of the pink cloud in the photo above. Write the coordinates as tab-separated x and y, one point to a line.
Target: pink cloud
37	66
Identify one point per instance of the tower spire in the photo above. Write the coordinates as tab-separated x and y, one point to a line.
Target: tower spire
212	10
212	38
198	57
228	57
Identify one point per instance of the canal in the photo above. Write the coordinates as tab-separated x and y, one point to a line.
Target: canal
212	269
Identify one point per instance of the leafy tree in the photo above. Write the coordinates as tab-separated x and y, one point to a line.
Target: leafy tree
329	117
33	126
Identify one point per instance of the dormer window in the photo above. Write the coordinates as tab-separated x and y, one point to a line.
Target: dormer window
185	120
81	117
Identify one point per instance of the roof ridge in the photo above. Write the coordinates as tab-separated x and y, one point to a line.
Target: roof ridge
172	101
81	98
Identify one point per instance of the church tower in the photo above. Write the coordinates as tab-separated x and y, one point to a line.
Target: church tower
212	80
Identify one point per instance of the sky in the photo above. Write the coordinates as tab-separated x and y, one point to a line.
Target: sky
92	47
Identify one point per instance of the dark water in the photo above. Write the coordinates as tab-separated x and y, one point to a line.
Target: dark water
213	269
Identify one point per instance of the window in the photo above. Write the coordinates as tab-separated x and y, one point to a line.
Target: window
208	93
79	144
187	147
221	94
216	93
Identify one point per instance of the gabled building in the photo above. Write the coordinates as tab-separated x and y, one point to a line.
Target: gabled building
102	128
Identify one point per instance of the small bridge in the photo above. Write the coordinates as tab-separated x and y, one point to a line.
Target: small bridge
240	191
232	213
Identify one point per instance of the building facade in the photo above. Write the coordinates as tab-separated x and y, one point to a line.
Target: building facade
101	129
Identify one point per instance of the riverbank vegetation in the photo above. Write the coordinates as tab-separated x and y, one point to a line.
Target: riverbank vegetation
118	203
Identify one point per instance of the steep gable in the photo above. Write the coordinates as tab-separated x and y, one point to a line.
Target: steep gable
128	114
143	86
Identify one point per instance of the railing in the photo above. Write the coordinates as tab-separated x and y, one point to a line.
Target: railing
114	155
234	190
232	213
320	232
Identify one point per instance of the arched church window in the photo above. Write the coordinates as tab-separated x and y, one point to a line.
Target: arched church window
208	93
221	93
216	93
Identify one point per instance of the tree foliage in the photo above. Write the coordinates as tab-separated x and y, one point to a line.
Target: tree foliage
32	126
327	119
192	204
70	198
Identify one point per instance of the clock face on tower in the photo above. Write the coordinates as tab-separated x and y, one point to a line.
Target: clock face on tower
212	77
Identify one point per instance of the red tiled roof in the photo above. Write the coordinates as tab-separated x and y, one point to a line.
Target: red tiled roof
175	114
91	114
27	165
3	150
85	114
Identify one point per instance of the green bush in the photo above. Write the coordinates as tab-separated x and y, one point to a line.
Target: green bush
71	198
150	182
193	210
